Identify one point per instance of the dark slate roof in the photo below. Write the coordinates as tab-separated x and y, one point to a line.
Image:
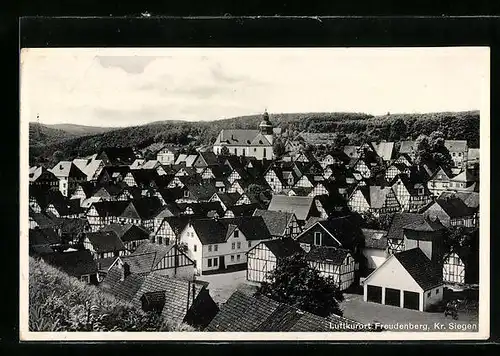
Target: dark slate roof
42	220
128	232
146	208
246	313
105	241
244	209
212	231
119	155
201	210
425	225
159	251
228	199
177	223
375	238
110	208
76	263
178	294
327	254
346	229
283	247
140	262
300	206
202	191
421	269
123	290
399	221
43	236
454	207
38	250
276	221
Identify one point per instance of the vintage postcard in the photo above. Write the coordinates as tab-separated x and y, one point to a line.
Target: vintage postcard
254	194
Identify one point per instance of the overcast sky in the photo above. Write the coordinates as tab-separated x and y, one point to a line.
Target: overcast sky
123	87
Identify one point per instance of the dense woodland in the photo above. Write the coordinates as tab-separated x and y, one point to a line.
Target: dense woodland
358	127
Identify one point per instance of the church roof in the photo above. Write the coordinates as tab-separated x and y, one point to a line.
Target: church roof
239	137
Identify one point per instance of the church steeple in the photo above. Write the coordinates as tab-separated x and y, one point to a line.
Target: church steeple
266	128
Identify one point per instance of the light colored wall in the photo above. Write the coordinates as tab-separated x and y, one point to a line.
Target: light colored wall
434	298
375	257
250	151
393	275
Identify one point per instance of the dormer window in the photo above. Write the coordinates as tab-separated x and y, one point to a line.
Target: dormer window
236	233
318	236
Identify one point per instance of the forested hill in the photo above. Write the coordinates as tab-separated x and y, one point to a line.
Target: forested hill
357	126
42	135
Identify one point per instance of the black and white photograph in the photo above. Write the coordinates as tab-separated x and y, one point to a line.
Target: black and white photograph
254	193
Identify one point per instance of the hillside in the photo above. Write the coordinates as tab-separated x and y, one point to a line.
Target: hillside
82	130
42	135
58	302
357	126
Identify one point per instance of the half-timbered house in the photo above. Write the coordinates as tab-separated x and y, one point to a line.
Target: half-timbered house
280	224
216	244
412	195
451	211
333	262
375	199
263	257
131	235
302	207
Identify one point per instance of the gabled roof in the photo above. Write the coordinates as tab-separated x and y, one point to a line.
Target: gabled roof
238	137
179	294
323	254
464	176
209	158
425	225
375	195
346	229
407	147
471	199
110	208
43	236
243	209
454	207
119	155
123	290
302	207
384	149
421	269
456	145
283	247
105	241
375	238
128	232
399	221
159	251
146	208
228	199
245	313
213	231
75	263
42	220
67	169
140	262
202	191
276	221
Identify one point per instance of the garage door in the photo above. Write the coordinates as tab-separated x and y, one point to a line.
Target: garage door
374	294
393	297
411	300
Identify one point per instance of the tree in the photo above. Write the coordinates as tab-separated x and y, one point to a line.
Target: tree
256	189
57	156
397	130
432	149
279	148
340	141
460	236
294	283
422	149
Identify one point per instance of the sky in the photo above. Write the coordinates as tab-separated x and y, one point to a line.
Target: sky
125	87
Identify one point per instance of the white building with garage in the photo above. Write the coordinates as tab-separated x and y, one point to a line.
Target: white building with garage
406	279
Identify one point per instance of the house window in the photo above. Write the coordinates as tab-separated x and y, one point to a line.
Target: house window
194	248
237	257
238	245
216	248
271	180
243	151
264	153
216	262
209	248
429	295
249	244
255	149
209	262
459	154
235	151
453	154
232	258
437	291
317	238
186	194
232	246
236	233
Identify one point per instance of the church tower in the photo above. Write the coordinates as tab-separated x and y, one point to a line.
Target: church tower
266	128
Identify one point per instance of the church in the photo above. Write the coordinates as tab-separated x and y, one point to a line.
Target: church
250	143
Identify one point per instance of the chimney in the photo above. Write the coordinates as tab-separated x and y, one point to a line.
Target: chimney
125	271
